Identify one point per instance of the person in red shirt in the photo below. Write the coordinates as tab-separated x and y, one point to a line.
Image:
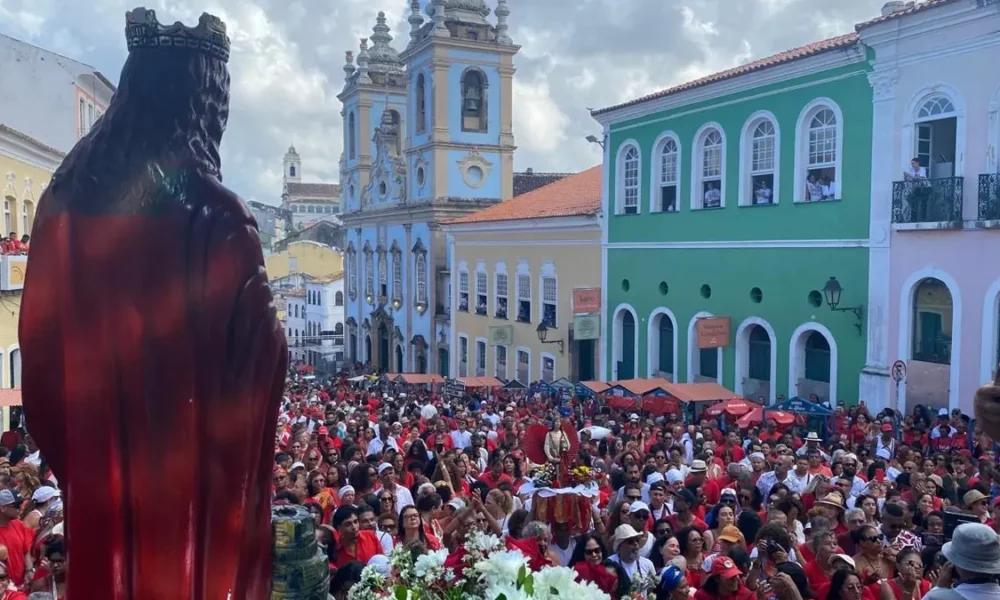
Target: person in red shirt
352	543
724	582
819	569
732	447
16	537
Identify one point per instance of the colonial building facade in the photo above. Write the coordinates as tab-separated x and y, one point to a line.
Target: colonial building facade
735	213
427	138
517	267
934	293
306	203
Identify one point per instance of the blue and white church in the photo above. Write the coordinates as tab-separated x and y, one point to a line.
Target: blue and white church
428	137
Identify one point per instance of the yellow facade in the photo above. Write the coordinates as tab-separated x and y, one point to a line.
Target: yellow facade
23	184
307	257
570	248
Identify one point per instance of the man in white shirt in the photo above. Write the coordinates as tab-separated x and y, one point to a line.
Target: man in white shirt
812	443
915	171
387	475
625	543
382	441
461	438
850	473
765	482
936	432
799	478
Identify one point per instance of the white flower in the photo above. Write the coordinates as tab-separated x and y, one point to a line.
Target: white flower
501	568
509	592
482	543
430	567
586	590
553	582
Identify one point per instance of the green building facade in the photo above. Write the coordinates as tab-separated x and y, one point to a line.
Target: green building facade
739	196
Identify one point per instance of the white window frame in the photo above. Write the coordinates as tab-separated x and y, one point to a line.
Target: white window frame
523	270
541	366
656	182
747	172
486	356
420	278
458	355
482	277
620	208
802	148
697	166
397	275
501	270
383	273
497	372
517	363
369	274
548	271
911	120
463	272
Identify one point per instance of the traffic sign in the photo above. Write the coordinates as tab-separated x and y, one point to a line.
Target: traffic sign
898	371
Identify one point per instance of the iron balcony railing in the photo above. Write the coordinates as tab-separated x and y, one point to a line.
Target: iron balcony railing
989	196
927	200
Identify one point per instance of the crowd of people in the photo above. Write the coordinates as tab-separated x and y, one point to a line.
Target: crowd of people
855	506
12	245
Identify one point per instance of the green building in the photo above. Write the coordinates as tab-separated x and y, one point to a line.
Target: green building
739	196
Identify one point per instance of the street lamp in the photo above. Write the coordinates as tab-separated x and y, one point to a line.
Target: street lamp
543	332
593	140
396	303
369	298
832	291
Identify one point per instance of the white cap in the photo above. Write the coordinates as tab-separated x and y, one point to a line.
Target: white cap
456	503
943	412
674	476
297	465
883	453
637	506
633	417
654	477
383	467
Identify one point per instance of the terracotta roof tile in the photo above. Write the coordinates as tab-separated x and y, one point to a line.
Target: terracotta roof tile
575	195
911	7
757	65
314	190
324	279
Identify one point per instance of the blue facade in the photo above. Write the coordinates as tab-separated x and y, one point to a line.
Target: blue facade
397	316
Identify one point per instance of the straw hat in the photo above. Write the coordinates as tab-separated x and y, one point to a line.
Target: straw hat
834	500
624	532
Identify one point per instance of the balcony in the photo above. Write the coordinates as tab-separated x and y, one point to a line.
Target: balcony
12	270
989	197
927	200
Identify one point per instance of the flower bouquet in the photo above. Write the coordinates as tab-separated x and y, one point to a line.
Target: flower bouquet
490	572
584	476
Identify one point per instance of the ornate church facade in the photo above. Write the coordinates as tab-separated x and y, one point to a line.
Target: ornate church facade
427	138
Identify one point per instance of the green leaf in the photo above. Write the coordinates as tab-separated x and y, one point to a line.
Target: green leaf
529	585
400	593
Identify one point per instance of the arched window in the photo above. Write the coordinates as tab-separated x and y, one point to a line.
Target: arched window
397	275
932	322
666	170
474	84
395	119
420	92
759	161
15	368
338	299
665	330
709	169
628	180
626	366
819	143
352	149
291	170
817	367
759	355
420	274
936	128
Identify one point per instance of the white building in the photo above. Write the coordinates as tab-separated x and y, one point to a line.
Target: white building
325	320
307	203
295	323
934	293
54	99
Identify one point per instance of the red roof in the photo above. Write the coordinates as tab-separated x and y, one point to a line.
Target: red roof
757	65
575	195
909	10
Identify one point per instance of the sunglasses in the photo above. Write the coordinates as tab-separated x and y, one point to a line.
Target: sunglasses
387	499
593	552
633	498
872	538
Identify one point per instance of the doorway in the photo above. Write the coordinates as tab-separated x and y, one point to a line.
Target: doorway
585	358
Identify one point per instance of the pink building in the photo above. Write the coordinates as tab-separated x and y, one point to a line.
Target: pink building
935	218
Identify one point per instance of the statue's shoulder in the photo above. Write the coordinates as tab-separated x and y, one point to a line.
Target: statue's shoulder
217	197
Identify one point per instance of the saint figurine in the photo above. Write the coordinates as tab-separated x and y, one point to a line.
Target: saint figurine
153	358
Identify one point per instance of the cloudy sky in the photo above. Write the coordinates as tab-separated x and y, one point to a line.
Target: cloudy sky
288	56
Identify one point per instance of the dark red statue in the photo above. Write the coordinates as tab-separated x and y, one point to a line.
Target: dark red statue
153	361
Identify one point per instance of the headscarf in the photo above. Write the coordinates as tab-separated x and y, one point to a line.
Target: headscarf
670	578
344	490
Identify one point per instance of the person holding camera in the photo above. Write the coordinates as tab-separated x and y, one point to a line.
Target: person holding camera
972	570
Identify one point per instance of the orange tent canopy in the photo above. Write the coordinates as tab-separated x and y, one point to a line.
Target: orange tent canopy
734	406
756	416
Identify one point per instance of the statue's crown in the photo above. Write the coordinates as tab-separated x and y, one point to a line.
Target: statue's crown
142	30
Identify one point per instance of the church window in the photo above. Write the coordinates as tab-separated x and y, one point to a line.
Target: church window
383	275
291	171
421	93
397	276
394	117
420	272
474	86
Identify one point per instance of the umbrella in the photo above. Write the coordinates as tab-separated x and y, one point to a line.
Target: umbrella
596	432
755	416
733	406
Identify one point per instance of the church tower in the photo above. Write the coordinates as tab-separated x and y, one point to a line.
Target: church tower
460	70
374	93
292	166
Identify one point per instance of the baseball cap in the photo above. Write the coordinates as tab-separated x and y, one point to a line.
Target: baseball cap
887	427
638	506
383	467
943	412
7	498
730	533
724	567
44	494
685	495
